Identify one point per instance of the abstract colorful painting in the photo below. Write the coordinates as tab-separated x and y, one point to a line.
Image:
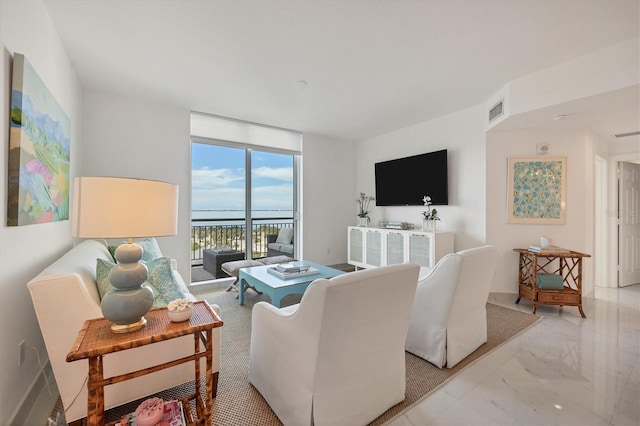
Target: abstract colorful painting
39	139
536	192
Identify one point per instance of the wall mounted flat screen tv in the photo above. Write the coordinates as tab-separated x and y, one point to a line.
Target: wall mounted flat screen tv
404	181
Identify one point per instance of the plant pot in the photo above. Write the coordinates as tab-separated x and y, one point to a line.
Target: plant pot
429	225
363	221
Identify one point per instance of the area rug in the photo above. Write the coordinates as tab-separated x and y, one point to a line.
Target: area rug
238	403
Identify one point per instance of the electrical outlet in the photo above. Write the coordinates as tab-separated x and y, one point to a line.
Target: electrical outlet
23	352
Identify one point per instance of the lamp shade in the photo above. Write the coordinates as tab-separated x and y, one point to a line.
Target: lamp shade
111	207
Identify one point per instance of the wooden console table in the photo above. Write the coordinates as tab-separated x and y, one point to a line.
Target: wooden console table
567	264
95	340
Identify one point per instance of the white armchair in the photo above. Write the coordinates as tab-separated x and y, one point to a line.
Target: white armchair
336	358
449	318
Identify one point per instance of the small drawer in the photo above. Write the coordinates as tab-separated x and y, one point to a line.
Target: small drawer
558	298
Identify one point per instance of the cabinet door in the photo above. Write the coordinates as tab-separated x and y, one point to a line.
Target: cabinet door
395	248
356	246
374	248
421	249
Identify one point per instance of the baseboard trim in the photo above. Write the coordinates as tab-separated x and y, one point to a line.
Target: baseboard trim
37	403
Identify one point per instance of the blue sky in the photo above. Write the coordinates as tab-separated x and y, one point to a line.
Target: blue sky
218	179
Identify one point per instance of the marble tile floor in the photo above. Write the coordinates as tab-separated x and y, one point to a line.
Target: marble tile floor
564	370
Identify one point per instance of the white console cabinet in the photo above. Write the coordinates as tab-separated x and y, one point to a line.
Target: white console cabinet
372	247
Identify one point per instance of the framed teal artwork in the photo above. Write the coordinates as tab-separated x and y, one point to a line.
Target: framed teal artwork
536	191
39	140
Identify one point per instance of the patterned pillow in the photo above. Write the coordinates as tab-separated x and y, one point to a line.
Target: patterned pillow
103	267
150	247
161	280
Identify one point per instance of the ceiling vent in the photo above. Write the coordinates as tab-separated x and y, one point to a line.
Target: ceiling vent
624	135
496	111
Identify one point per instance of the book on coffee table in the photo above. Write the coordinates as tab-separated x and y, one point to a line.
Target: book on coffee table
291	273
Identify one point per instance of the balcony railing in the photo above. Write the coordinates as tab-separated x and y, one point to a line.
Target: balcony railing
209	233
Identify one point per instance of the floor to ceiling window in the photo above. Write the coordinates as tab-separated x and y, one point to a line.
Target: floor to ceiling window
241	197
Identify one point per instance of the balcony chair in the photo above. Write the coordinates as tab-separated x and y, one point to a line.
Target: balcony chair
337	357
449	318
280	244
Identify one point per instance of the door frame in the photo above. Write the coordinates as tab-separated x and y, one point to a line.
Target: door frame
600	219
612	215
297	187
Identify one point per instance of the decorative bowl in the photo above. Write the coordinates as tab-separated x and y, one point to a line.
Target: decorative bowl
179	316
180	310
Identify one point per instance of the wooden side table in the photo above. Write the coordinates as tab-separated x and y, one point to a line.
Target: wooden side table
95	340
567	264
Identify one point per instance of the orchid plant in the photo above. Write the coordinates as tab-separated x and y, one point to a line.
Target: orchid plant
363	204
429	214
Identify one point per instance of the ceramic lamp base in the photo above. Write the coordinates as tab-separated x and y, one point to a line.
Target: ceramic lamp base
129	300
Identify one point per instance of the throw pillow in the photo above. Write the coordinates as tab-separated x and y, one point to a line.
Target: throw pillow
150	249
103	267
162	279
285	236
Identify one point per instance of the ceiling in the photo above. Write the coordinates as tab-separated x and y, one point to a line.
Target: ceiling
370	67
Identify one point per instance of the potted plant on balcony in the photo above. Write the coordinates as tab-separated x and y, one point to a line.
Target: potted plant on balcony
363	209
429	216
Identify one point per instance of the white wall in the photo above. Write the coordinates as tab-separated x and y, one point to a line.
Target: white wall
463	135
605	70
576	234
25	27
133	138
328	180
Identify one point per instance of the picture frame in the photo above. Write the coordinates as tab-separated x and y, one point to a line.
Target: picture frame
536	192
39	151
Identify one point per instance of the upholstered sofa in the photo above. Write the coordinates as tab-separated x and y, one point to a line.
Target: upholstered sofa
64	296
280	244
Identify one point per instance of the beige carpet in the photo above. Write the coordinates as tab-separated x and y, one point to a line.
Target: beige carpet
238	403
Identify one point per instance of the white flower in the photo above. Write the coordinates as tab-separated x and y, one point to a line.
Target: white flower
429	214
179	305
363	204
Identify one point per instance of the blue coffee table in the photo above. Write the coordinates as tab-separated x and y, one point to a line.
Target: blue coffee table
277	288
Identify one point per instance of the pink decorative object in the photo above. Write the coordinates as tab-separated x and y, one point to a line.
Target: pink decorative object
150	412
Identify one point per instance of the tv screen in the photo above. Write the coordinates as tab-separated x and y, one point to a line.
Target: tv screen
404	181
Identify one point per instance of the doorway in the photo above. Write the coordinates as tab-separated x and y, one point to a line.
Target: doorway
628	224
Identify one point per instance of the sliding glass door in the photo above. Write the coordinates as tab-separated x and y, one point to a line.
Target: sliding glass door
241	198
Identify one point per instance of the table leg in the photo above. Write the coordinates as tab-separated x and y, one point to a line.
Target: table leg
241	284
209	378
275	299
196	350
95	399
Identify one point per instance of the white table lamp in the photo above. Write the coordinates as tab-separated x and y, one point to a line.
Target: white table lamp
110	207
